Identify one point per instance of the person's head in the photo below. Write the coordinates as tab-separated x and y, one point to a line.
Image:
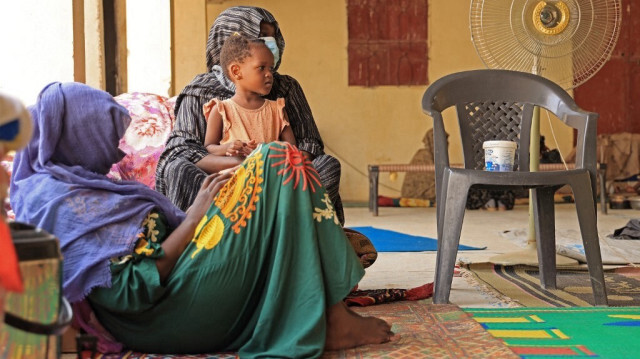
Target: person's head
253	22
248	63
77	125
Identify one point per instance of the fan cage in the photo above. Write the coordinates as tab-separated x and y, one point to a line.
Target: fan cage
505	37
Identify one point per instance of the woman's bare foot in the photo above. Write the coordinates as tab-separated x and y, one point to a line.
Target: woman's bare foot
347	329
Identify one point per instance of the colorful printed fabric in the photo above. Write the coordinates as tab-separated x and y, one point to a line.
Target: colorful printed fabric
151	123
362	246
564	332
148	244
7	165
268	256
365	298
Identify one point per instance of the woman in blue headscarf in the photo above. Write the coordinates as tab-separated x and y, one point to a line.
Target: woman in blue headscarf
258	264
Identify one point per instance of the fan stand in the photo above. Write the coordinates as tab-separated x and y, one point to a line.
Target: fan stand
529	255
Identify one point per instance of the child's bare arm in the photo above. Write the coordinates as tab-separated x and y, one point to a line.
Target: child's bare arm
213	135
287	135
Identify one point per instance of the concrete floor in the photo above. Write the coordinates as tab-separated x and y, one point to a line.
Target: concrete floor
481	228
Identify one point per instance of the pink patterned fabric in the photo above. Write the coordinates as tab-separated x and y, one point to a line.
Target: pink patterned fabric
7	164
152	119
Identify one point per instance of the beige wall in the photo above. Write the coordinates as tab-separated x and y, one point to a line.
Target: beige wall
189	31
94	43
359	125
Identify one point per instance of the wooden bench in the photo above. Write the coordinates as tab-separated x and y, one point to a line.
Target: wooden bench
374	172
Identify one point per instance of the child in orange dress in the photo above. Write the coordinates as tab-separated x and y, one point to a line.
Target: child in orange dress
237	125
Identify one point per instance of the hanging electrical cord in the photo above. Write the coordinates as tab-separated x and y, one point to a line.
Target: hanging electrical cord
343	160
553	134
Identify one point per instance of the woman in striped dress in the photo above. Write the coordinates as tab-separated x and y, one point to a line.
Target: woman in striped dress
185	162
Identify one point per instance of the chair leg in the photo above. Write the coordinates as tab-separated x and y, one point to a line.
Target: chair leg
370	190
448	244
441	204
544	219
585	207
602	177
373	190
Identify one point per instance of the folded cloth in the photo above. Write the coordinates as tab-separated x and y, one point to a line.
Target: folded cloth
365	298
630	231
362	246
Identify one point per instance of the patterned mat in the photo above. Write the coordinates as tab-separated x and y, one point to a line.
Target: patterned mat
521	284
423	330
565	332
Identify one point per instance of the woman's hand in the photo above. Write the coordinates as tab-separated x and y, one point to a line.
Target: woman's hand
210	187
180	238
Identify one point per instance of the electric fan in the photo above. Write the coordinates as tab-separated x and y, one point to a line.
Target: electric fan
566	41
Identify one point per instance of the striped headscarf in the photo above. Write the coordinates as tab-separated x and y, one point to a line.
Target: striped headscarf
242	19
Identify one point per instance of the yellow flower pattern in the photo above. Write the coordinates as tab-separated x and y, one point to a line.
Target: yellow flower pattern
146	240
237	199
141	248
209	234
150	223
151	234
327	213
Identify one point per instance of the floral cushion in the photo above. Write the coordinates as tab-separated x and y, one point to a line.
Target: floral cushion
6	164
152	119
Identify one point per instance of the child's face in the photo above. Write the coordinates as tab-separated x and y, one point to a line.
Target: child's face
257	70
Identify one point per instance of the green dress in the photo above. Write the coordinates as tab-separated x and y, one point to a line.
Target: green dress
266	261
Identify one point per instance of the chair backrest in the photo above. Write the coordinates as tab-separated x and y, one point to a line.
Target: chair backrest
489	121
499	105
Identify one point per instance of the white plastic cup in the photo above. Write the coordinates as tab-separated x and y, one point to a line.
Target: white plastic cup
499	156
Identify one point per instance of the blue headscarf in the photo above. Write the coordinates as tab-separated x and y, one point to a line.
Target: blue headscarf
59	184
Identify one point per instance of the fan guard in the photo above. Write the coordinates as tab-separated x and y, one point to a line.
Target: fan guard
567	41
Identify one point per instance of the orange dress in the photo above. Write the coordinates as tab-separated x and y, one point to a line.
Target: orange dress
264	124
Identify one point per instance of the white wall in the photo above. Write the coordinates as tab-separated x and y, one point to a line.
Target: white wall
36	46
149	46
